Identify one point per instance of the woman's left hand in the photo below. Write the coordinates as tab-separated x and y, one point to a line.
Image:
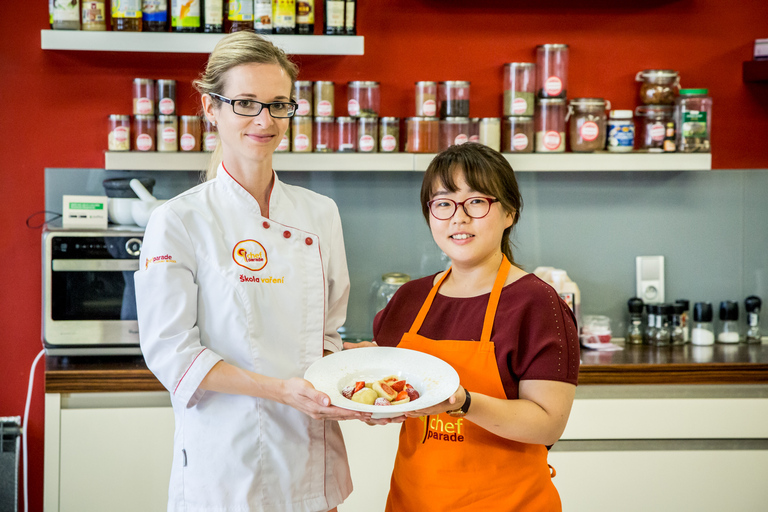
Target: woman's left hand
455	401
360	344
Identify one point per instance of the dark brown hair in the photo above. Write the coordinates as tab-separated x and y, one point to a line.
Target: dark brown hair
485	171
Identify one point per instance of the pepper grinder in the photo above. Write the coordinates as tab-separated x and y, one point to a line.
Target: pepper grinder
650	327
635	326
684	319
752	305
676	326
661	335
729	327
703	333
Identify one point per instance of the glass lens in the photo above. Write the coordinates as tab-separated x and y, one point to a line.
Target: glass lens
443	208
281	109
246	107
476	207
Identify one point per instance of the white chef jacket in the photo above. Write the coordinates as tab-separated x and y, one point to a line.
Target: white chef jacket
219	281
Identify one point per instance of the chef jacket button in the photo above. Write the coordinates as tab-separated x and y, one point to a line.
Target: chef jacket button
265	224
308	241
286	234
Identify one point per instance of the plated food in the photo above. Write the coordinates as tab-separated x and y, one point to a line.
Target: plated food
390	390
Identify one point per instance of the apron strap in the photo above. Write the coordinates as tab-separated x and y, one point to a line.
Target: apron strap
493	300
427	304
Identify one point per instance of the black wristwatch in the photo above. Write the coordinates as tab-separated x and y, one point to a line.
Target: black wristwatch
460	413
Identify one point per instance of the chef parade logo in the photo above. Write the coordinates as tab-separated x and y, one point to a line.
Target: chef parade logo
442	428
165	258
250	254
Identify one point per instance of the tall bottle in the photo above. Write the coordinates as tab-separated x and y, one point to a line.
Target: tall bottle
94	16
262	16
334	23
752	306
185	16
240	15
154	15
305	17
284	17
350	17
126	16
66	15
213	16
635	325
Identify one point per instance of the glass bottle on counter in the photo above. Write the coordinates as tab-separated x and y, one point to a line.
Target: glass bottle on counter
693	117
305	18
635	325
662	334
676	325
66	15
334	23
126	16
213	16
154	15
650	326
752	306
729	327
185	16
684	319
94	16
284	17
702	332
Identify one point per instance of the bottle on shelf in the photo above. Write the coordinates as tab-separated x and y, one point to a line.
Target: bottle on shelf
305	17
635	325
350	17
66	15
94	16
213	16
126	16
334	23
240	15
284	17
262	16
154	15
185	16
752	305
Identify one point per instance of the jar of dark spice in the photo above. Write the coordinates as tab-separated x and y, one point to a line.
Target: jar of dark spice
389	134
453	131
301	129
323	132
165	93
368	134
422	134
324	98
587	119
552	70
302	94
363	99
651	126
519	88
346	134
189	133
658	86
517	134
144	133
426	98
453	97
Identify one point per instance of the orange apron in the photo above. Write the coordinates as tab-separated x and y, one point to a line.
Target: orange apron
450	464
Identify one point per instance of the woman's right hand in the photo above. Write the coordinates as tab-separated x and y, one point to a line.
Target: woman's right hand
302	396
360	344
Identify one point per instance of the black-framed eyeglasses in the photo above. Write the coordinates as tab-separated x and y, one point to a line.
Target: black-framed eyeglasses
475	207
252	108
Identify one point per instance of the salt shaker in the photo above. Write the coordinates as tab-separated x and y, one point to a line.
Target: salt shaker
729	327
702	333
752	305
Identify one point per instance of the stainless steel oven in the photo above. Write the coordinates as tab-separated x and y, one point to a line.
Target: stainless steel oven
89	302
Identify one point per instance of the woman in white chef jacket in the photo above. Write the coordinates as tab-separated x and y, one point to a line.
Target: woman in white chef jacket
243	284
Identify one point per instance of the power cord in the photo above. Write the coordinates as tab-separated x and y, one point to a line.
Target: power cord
56	215
24	429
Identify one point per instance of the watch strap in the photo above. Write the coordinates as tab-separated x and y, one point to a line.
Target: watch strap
464	409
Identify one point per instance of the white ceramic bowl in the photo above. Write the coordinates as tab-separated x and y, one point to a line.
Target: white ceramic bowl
143	209
433	378
119	209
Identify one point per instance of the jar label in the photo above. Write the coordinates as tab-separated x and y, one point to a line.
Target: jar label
121	134
553	86
460	139
211	140
300	142
303	109
167	106
589	131
283	143
694	123
169	134
143	142
429	108
474	138
187	142
552	140
519	105
324	108
657	132
93	12
621	135
520	141
388	143
353	107
143	106
366	143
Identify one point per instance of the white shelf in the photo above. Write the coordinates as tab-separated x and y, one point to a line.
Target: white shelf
189	43
138	161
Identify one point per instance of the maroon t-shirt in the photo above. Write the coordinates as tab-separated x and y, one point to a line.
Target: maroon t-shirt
534	332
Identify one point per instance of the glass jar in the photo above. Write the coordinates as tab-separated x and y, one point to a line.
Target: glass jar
66	15
453	97
389	135
301	129
324	99
144	133
165	93
658	86
346	134
550	125
422	134
426	99
702	330
517	135
651	126
363	99
119	138
126	16
729	326
143	97
167	133
587	124
693	117
285	142
189	133
752	306
474	129
302	94
210	136
552	70
383	290
324	134
519	88
490	132
662	336
94	16
650	326
621	131
367	134
677	336
635	326
453	131
684	319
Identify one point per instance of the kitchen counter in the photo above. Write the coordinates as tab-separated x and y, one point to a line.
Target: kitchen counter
718	364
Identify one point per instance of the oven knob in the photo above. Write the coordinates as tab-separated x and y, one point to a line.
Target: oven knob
133	246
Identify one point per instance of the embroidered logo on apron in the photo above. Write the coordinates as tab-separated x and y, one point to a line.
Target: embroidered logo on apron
250	254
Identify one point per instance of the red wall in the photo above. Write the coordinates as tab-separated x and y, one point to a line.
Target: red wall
55	104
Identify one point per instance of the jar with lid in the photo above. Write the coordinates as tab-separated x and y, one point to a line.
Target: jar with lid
426	98
383	290
453	131
66	15
389	135
635	326
189	133
363	99
154	16
165	93
651	126
285	142
94	16
693	117
676	325
453	98
143	96
126	16
517	134
519	89
367	134
550	125
702	331
658	86
144	133
346	134
210	136
650	323
752	305
119	138
302	94
301	128
323	132
474	129
621	131
662	335
167	133
422	134
587	124
324	98
552	70
490	132
729	326
685	322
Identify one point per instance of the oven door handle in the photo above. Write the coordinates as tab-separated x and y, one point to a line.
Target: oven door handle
94	265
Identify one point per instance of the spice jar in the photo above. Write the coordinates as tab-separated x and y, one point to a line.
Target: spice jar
752	305
490	132
301	129
729	327
167	133
550	125
635	326
552	70
702	333
143	96
453	97
323	133
189	133
165	92
119	138
363	99
453	131
422	134
426	99
684	320
93	16
210	136
144	132
474	129
658	86
367	133
662	335
346	134
587	124
285	142
676	332
621	131
650	325
126	16
519	88
651	126
389	134
302	94
693	117
517	134
324	98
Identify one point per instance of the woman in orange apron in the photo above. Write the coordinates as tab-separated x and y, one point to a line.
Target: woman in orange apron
509	336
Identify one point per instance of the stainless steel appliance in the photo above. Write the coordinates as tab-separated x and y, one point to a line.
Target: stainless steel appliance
89	302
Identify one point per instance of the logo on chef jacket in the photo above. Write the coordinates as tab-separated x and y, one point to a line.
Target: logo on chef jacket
442	429
165	258
250	254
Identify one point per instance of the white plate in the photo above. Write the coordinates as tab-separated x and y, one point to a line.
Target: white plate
433	378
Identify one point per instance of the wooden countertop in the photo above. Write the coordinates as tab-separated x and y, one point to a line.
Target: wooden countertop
718	364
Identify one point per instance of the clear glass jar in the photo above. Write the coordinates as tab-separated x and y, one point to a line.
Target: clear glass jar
752	306
635	326
474	129
165	94
210	136
453	131
650	325
426	99
323	132
517	134
325	99
189	133
658	86
651	126
144	133
367	134
302	94
119	138
587	121
346	134
363	99
676	335
550	125
389	135
167	133
383	290
702	331
685	321
519	89
422	134
490	132
285	142
662	335
143	97
621	131
693	117
301	129
552	70
453	98
729	322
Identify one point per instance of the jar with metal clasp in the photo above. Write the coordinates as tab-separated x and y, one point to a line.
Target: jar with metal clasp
383	289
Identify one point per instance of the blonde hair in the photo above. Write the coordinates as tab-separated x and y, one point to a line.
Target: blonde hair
242	47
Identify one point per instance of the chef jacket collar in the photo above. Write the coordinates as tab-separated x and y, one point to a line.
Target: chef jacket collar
232	184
